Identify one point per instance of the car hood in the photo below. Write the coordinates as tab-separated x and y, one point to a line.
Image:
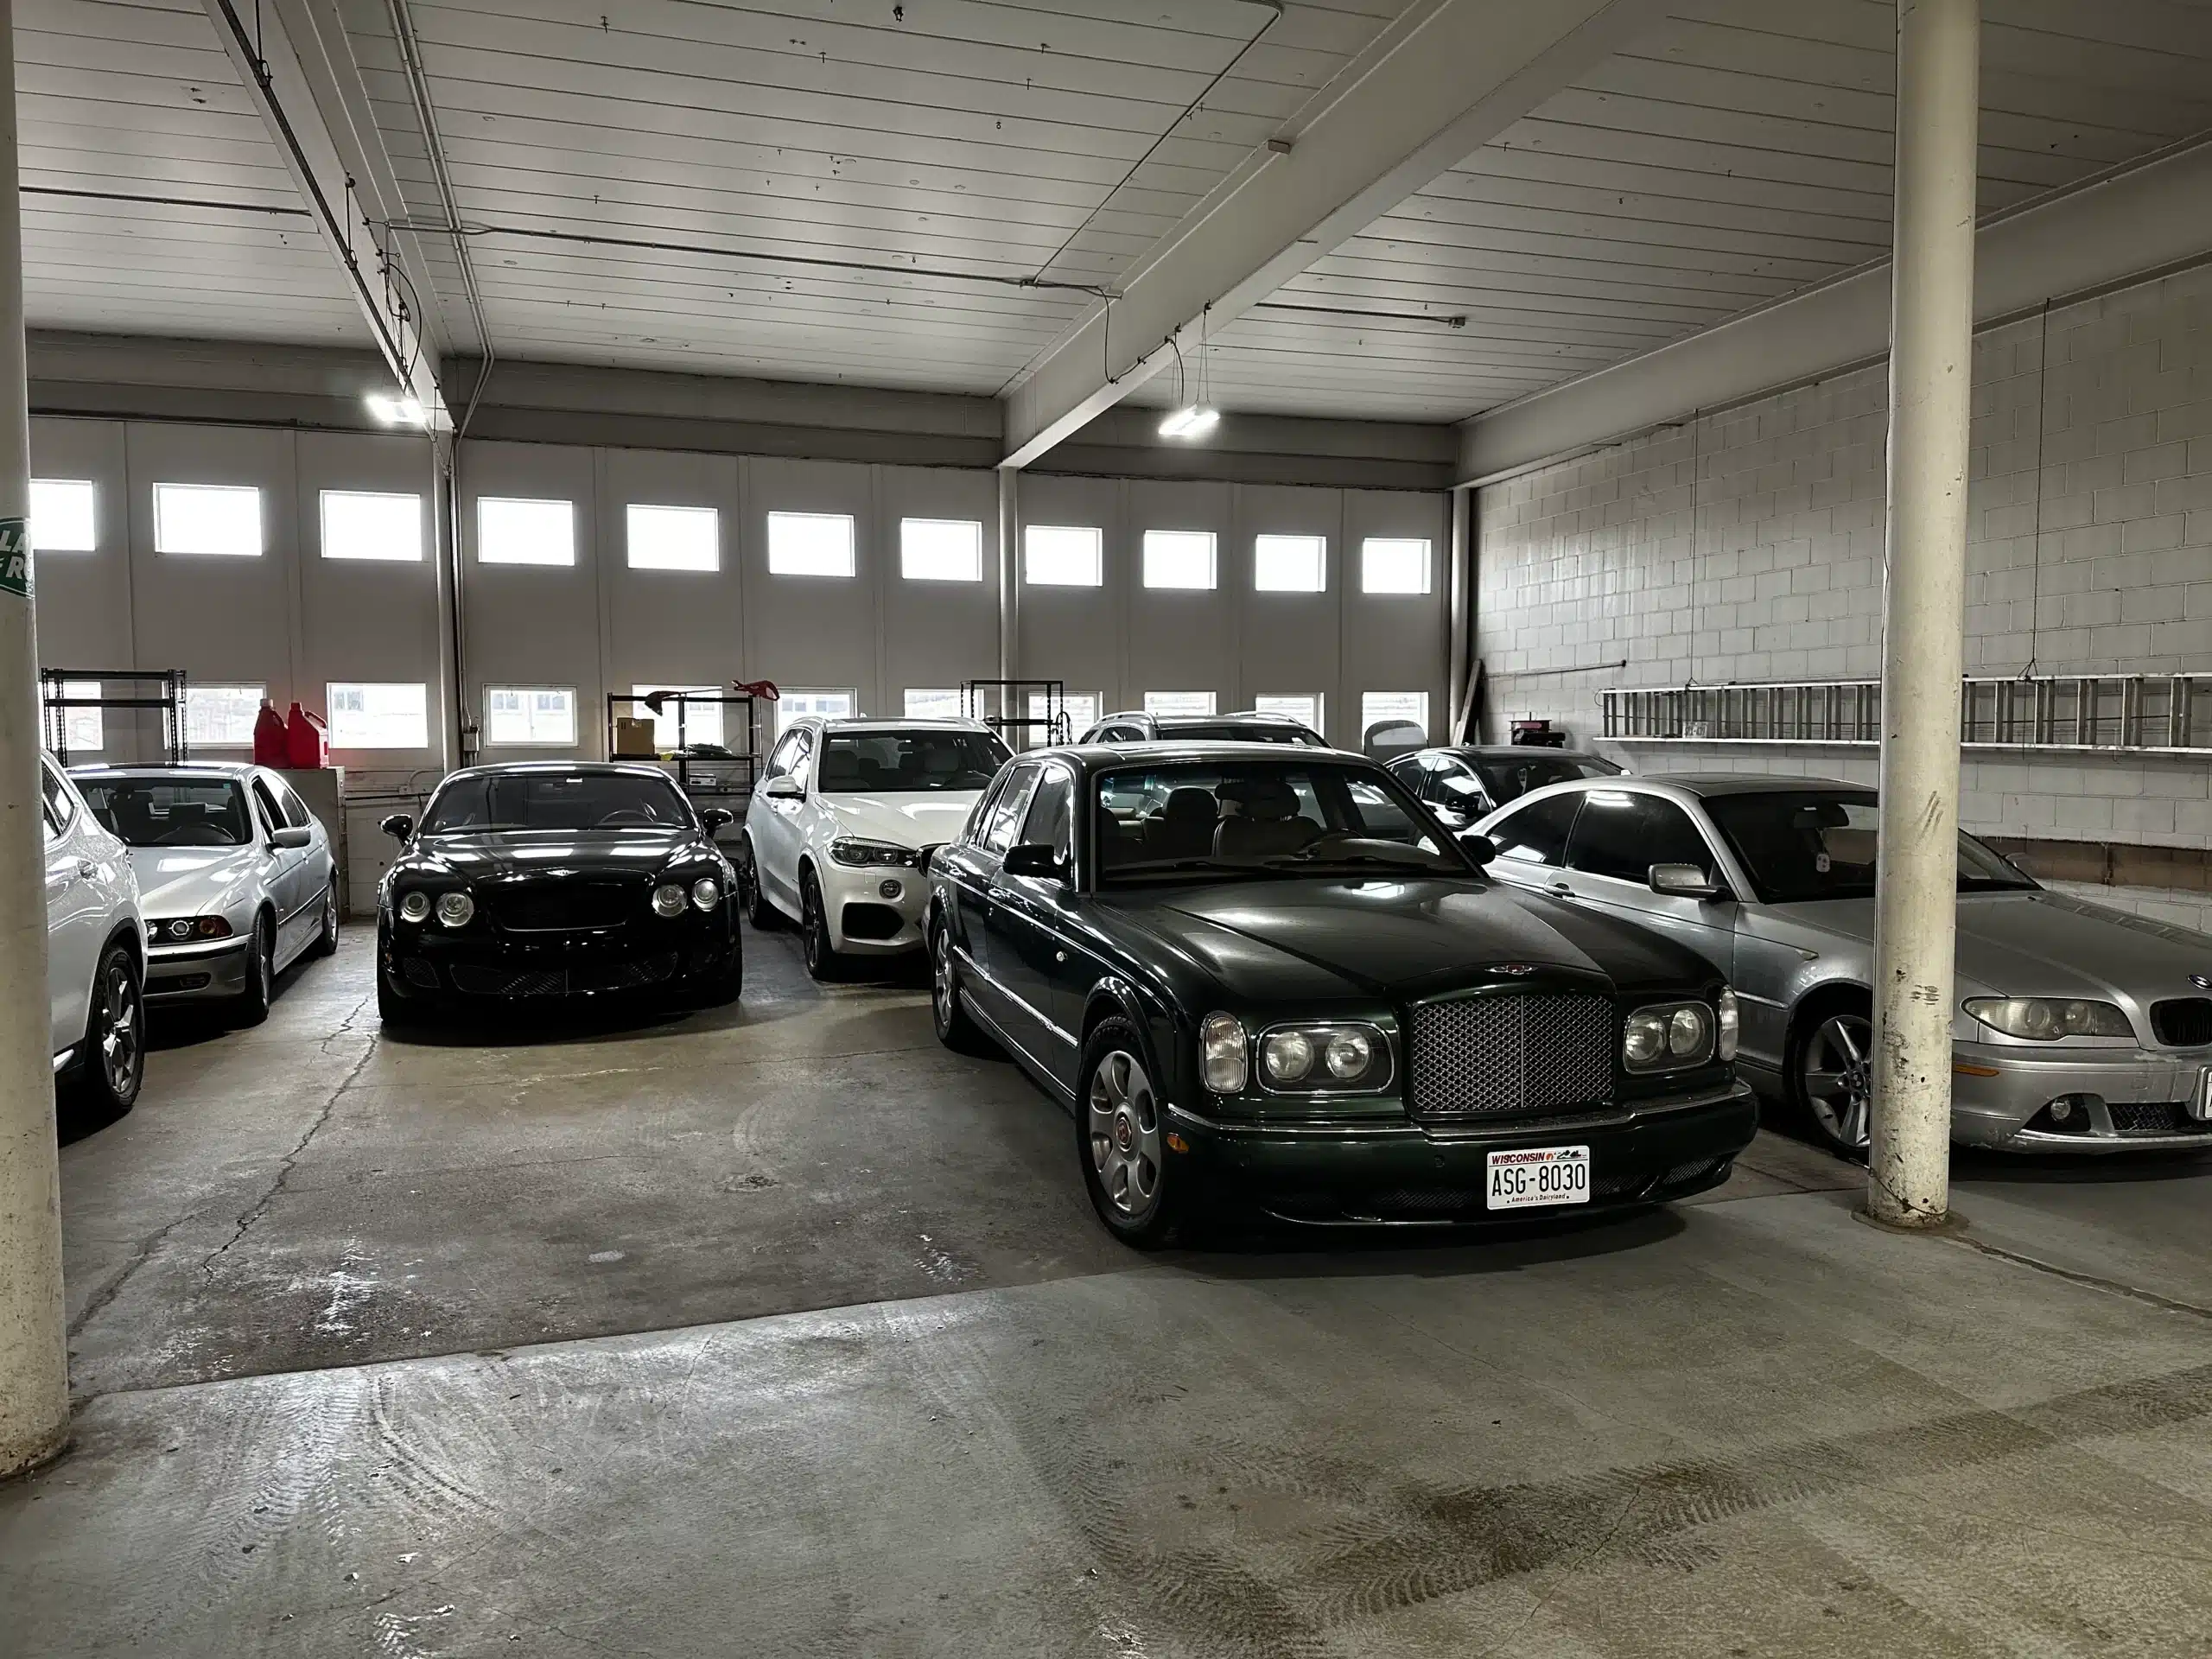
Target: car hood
511	854
922	818
2043	943
1400	938
192	880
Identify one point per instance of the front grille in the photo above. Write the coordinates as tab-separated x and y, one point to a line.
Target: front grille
507	981
1680	1174
421	973
564	907
2184	1022
2148	1118
1492	1056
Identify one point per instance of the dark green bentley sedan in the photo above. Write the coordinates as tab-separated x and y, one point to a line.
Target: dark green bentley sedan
1263	976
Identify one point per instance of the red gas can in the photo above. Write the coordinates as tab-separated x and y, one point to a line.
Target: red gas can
271	743
307	741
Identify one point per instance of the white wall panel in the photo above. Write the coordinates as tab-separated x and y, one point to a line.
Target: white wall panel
1392	642
1079	634
1290	644
535	624
936	633
83	600
813	631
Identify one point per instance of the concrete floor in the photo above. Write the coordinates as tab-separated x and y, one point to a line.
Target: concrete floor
780	1331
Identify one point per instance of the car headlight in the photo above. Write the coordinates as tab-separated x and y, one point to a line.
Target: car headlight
1304	1059
2047	1019
1221	1054
1667	1034
456	908
1731	1025
669	899
861	854
178	929
415	906
706	893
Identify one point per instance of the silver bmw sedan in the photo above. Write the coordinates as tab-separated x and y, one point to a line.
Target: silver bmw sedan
2077	1028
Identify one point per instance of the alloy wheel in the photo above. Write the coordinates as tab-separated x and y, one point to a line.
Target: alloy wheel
942	996
119	1043
1124	1131
267	965
1838	1077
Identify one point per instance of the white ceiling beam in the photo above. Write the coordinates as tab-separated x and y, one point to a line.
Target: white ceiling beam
1444	79
2132	222
293	57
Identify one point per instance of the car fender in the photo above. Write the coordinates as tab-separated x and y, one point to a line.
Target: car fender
1116	995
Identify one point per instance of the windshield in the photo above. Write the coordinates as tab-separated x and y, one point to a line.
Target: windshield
1237	731
893	763
1807	844
1253	816
557	800
170	812
1509	780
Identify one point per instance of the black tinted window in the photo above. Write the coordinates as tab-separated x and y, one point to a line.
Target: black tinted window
1051	821
1509	780
1800	845
891	763
1537	833
1007	809
1250	816
1623	835
557	800
188	812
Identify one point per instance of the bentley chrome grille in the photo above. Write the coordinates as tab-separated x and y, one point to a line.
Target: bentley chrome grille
1493	1056
564	907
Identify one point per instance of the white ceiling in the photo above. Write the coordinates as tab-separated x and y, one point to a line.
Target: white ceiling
1739	153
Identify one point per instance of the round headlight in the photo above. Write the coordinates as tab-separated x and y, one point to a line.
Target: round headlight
668	900
456	908
415	907
1287	1055
1687	1031
706	893
1349	1055
1645	1039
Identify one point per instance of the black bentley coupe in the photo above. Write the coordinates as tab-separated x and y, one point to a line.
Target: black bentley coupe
556	878
1263	975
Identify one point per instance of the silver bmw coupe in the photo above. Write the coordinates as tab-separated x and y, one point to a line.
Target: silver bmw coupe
2077	1028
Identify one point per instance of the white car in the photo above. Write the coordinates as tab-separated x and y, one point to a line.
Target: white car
840	819
95	959
235	877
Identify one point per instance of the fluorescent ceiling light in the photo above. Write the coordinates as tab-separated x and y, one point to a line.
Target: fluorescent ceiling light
396	411
1193	421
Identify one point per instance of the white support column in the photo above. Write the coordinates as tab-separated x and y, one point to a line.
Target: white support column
34	1352
1010	576
1460	613
1931	347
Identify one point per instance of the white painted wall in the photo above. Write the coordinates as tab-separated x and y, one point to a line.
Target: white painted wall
1749	546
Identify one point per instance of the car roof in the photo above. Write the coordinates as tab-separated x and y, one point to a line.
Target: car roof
1509	752
1100	756
1741	783
232	769
895	723
608	768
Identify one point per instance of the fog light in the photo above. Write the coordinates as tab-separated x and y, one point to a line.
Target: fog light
2061	1109
891	889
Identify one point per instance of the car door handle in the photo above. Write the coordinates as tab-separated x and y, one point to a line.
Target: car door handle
1562	889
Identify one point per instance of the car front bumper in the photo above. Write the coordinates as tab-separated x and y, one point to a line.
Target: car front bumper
422	962
2120	1100
208	972
864	920
1399	1173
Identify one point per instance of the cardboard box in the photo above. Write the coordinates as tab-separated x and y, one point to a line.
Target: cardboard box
634	739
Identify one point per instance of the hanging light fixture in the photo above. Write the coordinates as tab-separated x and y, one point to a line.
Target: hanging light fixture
402	411
1194	419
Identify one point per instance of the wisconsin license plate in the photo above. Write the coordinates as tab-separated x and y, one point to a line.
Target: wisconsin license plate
1539	1175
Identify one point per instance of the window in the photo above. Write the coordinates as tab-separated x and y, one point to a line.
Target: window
1050	821
530	716
1393	564
810	544
673	538
514	532
797	702
1081	709
1062	555
1305	707
554	799
1622	835
877	761
1181	815
1536	834
701	722
1290	564
1380	707
360	524
940	550
1010	806
366	715
221	520
62	515
271	814
1178	703
1179	558
60	807
933	705
221	716
82	730
790	750
295	810
146	810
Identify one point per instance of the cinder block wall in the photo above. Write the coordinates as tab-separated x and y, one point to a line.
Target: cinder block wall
1748	546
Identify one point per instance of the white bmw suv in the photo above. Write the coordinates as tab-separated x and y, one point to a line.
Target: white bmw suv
96	962
841	818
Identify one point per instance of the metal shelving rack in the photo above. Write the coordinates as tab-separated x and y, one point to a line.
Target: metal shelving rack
724	778
990	701
56	702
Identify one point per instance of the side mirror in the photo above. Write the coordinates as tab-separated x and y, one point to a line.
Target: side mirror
714	816
927	855
399	827
1033	858
293	838
1684	881
1479	849
782	787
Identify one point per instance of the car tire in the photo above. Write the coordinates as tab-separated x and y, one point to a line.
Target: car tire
1827	1071
764	916
822	962
260	974
112	1061
727	984
326	943
1121	1137
956	1027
